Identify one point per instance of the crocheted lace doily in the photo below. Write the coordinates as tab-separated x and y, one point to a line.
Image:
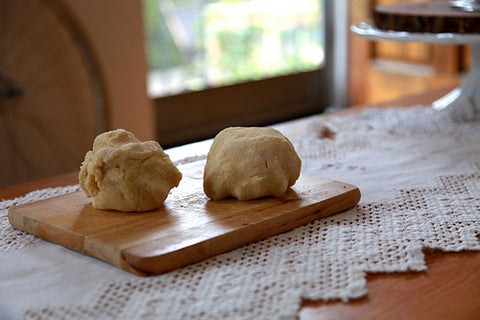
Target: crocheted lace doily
419	173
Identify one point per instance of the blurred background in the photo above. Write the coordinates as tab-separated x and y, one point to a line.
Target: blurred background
178	71
196	44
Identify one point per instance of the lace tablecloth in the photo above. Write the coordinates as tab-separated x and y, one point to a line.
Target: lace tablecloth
419	173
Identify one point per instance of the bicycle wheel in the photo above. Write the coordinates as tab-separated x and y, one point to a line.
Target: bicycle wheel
51	94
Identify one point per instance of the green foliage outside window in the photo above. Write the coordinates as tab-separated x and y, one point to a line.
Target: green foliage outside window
230	42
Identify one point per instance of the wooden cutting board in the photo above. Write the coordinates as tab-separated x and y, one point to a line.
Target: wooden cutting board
188	228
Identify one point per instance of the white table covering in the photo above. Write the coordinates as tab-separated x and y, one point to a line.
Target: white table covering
419	173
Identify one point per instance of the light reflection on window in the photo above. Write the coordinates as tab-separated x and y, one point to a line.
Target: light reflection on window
196	44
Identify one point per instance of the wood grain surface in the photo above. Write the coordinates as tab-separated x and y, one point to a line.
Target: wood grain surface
187	228
448	289
432	17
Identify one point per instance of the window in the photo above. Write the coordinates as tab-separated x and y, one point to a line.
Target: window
219	63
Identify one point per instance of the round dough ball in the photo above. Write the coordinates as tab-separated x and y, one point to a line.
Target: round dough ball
123	173
249	163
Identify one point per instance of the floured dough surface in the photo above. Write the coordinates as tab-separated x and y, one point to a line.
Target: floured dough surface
123	173
250	162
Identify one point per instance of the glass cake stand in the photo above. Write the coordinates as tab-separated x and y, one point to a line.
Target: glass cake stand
469	91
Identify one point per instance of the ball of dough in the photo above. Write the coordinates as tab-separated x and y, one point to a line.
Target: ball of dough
249	163
123	173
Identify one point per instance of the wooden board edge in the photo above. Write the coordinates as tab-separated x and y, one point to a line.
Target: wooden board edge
183	257
61	236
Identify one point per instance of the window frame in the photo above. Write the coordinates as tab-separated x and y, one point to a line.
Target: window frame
198	115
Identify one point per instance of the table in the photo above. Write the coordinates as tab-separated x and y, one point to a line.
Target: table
449	288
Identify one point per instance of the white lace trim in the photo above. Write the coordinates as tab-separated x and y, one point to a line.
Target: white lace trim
419	172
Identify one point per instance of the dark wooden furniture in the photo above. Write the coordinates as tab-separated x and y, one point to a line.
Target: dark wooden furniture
433	17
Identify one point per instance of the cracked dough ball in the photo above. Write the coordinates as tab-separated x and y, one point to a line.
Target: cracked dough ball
123	173
250	163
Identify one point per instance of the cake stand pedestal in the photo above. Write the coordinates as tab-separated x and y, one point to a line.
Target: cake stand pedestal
436	23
